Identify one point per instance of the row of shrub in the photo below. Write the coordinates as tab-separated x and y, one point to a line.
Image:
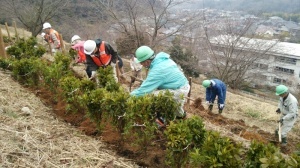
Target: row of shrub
187	142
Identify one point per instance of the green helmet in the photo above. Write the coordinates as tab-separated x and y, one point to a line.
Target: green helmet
206	83
280	89
143	53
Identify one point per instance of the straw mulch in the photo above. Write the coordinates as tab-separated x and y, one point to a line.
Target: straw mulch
31	136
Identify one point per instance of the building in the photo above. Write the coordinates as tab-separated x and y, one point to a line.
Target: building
276	63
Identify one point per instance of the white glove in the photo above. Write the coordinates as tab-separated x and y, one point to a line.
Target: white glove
113	64
43	34
94	73
221	106
53	50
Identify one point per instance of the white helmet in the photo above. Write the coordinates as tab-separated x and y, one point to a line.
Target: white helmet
46	25
74	38
89	47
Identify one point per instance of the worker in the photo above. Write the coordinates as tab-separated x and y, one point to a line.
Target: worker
288	108
77	44
136	69
99	54
163	75
214	88
51	36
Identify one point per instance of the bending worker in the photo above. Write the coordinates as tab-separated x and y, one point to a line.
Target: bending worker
51	36
288	108
214	88
163	75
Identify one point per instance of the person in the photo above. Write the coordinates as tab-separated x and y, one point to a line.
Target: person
288	108
136	69
214	88
51	36
99	54
163	75
77	44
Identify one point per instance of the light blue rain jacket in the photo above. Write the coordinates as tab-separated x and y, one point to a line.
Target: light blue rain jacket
163	74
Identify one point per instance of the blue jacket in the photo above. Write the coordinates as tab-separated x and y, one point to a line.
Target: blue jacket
163	74
218	88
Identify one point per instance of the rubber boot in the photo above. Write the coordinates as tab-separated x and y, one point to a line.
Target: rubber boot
283	141
210	107
220	111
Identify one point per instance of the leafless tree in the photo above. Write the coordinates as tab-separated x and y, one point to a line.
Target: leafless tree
233	52
145	17
33	13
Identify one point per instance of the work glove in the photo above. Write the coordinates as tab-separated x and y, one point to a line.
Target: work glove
113	64
278	111
280	121
53	50
221	106
94	73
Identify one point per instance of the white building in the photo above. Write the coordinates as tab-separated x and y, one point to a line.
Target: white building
279	65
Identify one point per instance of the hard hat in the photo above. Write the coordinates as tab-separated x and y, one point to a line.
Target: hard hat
280	89
143	53
206	83
46	25
74	38
89	47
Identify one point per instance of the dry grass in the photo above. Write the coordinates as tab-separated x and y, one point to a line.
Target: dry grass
36	138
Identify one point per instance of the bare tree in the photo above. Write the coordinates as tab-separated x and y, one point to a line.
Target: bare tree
233	52
33	13
145	17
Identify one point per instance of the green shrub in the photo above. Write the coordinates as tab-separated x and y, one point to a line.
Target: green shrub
182	137
28	71
107	80
5	64
263	155
140	121
26	49
217	152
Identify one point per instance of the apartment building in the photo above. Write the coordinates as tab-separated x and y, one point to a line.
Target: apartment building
280	66
279	62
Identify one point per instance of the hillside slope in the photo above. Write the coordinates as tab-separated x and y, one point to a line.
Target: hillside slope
37	138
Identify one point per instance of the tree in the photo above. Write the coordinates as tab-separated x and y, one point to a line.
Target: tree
145	19
233	52
33	13
184	57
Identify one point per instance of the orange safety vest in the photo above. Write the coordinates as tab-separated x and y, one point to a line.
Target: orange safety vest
103	59
57	36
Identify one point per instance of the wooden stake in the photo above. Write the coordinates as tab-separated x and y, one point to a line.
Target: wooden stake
189	94
2	49
8	33
50	48
62	44
16	32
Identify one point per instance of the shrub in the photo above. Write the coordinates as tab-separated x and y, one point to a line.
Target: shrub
217	152
183	136
28	71
263	155
26	49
